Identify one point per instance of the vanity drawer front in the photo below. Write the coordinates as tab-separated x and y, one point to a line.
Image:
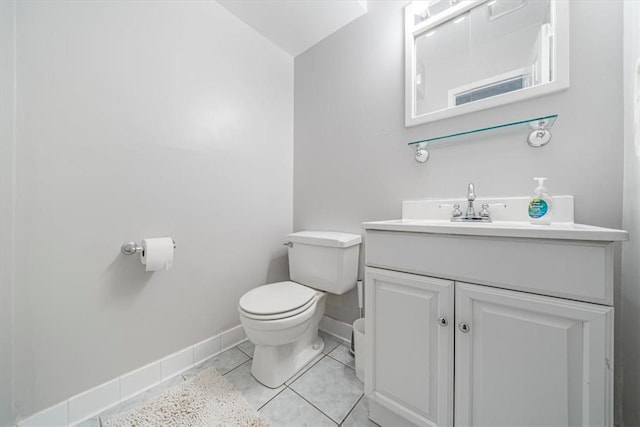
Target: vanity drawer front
564	268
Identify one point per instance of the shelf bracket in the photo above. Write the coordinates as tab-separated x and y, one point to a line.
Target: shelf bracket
539	136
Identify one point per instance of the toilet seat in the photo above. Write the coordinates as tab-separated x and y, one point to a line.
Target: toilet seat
277	301
278	316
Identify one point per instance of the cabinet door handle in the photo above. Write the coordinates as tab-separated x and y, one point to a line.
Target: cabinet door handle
464	327
442	321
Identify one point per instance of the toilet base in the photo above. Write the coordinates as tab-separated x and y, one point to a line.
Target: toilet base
273	365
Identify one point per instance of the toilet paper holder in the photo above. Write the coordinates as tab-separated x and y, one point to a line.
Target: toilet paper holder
130	248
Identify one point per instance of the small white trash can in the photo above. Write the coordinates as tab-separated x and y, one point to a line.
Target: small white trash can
359	347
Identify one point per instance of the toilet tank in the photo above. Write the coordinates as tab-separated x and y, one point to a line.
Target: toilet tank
324	260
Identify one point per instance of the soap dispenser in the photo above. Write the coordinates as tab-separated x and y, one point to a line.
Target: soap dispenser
540	204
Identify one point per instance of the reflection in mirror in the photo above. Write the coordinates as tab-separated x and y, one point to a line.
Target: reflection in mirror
465	56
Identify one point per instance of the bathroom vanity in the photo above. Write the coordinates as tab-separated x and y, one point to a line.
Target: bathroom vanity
502	323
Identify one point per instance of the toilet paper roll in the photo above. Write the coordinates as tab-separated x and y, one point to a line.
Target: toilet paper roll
157	253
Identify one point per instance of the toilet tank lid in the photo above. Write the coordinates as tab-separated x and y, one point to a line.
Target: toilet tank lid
332	239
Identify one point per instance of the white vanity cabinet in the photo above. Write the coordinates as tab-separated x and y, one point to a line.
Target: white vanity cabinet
412	343
526	360
533	343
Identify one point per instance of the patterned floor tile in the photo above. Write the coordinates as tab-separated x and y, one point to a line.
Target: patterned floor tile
255	393
290	410
321	394
223	362
331	387
247	347
330	342
305	368
342	354
359	416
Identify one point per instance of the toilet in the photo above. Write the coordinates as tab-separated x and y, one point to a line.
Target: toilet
282	318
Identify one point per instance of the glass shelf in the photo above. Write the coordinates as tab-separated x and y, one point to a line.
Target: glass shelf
544	122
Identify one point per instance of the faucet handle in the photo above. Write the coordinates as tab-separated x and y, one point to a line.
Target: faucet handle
485	211
456	211
471	195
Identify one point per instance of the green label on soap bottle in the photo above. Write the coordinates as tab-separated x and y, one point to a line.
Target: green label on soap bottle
538	208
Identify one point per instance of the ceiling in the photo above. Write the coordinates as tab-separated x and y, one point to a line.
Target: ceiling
296	25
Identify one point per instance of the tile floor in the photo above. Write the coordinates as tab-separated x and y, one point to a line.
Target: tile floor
325	393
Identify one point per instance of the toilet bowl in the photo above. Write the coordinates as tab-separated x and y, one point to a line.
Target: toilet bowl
281	319
284	341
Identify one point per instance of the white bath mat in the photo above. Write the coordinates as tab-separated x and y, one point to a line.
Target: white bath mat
207	399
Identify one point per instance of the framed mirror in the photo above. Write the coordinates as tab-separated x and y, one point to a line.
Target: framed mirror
469	55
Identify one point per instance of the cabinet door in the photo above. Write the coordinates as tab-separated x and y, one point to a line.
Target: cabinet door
410	349
528	360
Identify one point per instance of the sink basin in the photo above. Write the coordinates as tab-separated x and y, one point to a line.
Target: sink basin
522	229
509	220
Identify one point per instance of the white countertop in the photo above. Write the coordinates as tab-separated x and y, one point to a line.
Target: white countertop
562	231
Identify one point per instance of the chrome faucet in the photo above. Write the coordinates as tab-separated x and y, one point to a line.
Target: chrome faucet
471	196
470	215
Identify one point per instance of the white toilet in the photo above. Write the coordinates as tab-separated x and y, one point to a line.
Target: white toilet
282	318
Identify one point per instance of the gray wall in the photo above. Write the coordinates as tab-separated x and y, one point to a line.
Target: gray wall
140	119
352	163
7	217
630	335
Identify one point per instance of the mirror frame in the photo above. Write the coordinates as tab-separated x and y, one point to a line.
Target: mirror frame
560	82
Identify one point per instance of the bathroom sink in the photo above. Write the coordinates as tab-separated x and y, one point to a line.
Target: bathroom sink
509	216
521	229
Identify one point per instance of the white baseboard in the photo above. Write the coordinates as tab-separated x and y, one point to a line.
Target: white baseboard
90	403
336	328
